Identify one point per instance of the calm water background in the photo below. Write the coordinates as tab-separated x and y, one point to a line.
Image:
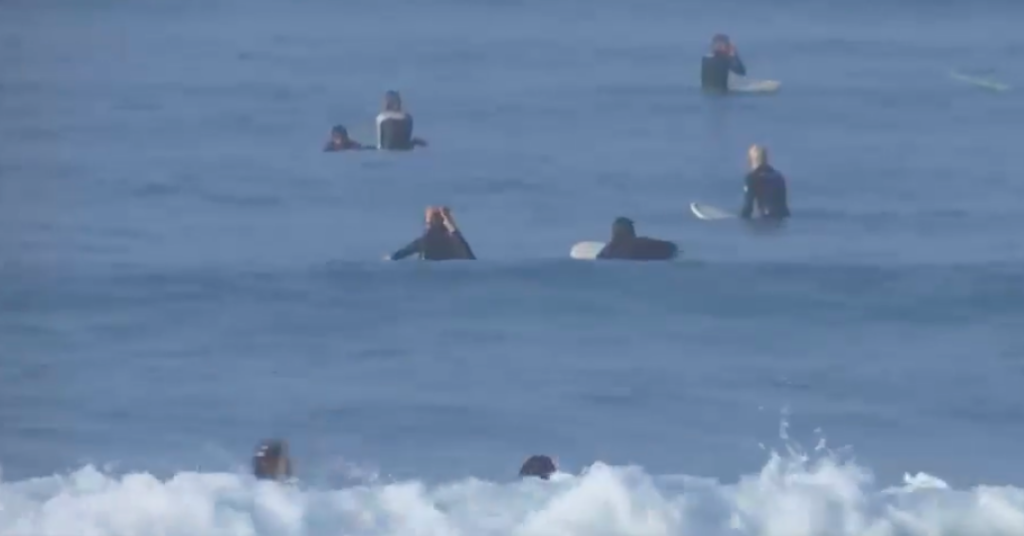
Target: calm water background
184	272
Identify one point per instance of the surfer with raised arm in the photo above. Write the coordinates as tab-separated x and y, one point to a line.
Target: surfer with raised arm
271	461
764	189
340	141
715	67
626	245
394	126
539	466
440	241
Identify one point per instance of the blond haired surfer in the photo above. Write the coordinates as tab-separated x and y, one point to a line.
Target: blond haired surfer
765	188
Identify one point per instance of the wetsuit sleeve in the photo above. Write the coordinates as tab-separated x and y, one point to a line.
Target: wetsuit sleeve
380	131
748	199
413	247
736	65
465	251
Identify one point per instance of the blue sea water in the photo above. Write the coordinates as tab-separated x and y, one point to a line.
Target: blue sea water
184	273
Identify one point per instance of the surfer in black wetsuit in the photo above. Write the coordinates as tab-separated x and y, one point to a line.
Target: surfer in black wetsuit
271	461
538	465
626	245
715	67
441	241
341	142
394	126
765	188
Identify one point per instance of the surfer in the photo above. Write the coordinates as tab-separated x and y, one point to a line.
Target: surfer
715	67
440	241
341	142
765	188
538	465
626	245
394	126
271	461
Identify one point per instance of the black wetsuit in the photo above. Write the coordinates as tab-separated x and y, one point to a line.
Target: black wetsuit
437	244
765	188
639	248
714	71
394	131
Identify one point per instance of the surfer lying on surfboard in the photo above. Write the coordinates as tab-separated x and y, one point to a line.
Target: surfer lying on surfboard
765	188
715	67
341	142
440	241
626	245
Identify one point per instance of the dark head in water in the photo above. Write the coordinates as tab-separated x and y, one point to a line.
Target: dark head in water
392	101
539	466
720	44
271	461
623	228
340	141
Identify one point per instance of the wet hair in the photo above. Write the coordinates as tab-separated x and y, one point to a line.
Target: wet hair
538	465
392	101
339	130
720	38
623	226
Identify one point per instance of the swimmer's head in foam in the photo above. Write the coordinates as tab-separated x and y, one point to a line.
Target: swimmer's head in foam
270	461
538	465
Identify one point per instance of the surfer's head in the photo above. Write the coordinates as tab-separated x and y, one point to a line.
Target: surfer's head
270	461
434	218
392	101
339	135
720	44
622	228
758	156
538	465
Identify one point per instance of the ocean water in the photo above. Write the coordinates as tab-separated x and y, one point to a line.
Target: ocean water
183	273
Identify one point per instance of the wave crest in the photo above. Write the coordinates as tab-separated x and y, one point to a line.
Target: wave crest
792	495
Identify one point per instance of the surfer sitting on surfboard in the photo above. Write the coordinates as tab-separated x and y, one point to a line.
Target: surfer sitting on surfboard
341	142
715	67
626	245
538	465
394	126
271	461
765	187
441	241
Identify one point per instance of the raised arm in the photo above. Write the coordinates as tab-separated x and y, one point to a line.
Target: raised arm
413	247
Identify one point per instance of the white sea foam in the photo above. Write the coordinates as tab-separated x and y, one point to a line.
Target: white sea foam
792	495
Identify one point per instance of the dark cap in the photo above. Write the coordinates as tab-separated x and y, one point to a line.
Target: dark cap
720	38
339	129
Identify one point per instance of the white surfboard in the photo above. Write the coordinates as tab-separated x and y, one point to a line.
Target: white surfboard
982	82
708	212
747	85
586	251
